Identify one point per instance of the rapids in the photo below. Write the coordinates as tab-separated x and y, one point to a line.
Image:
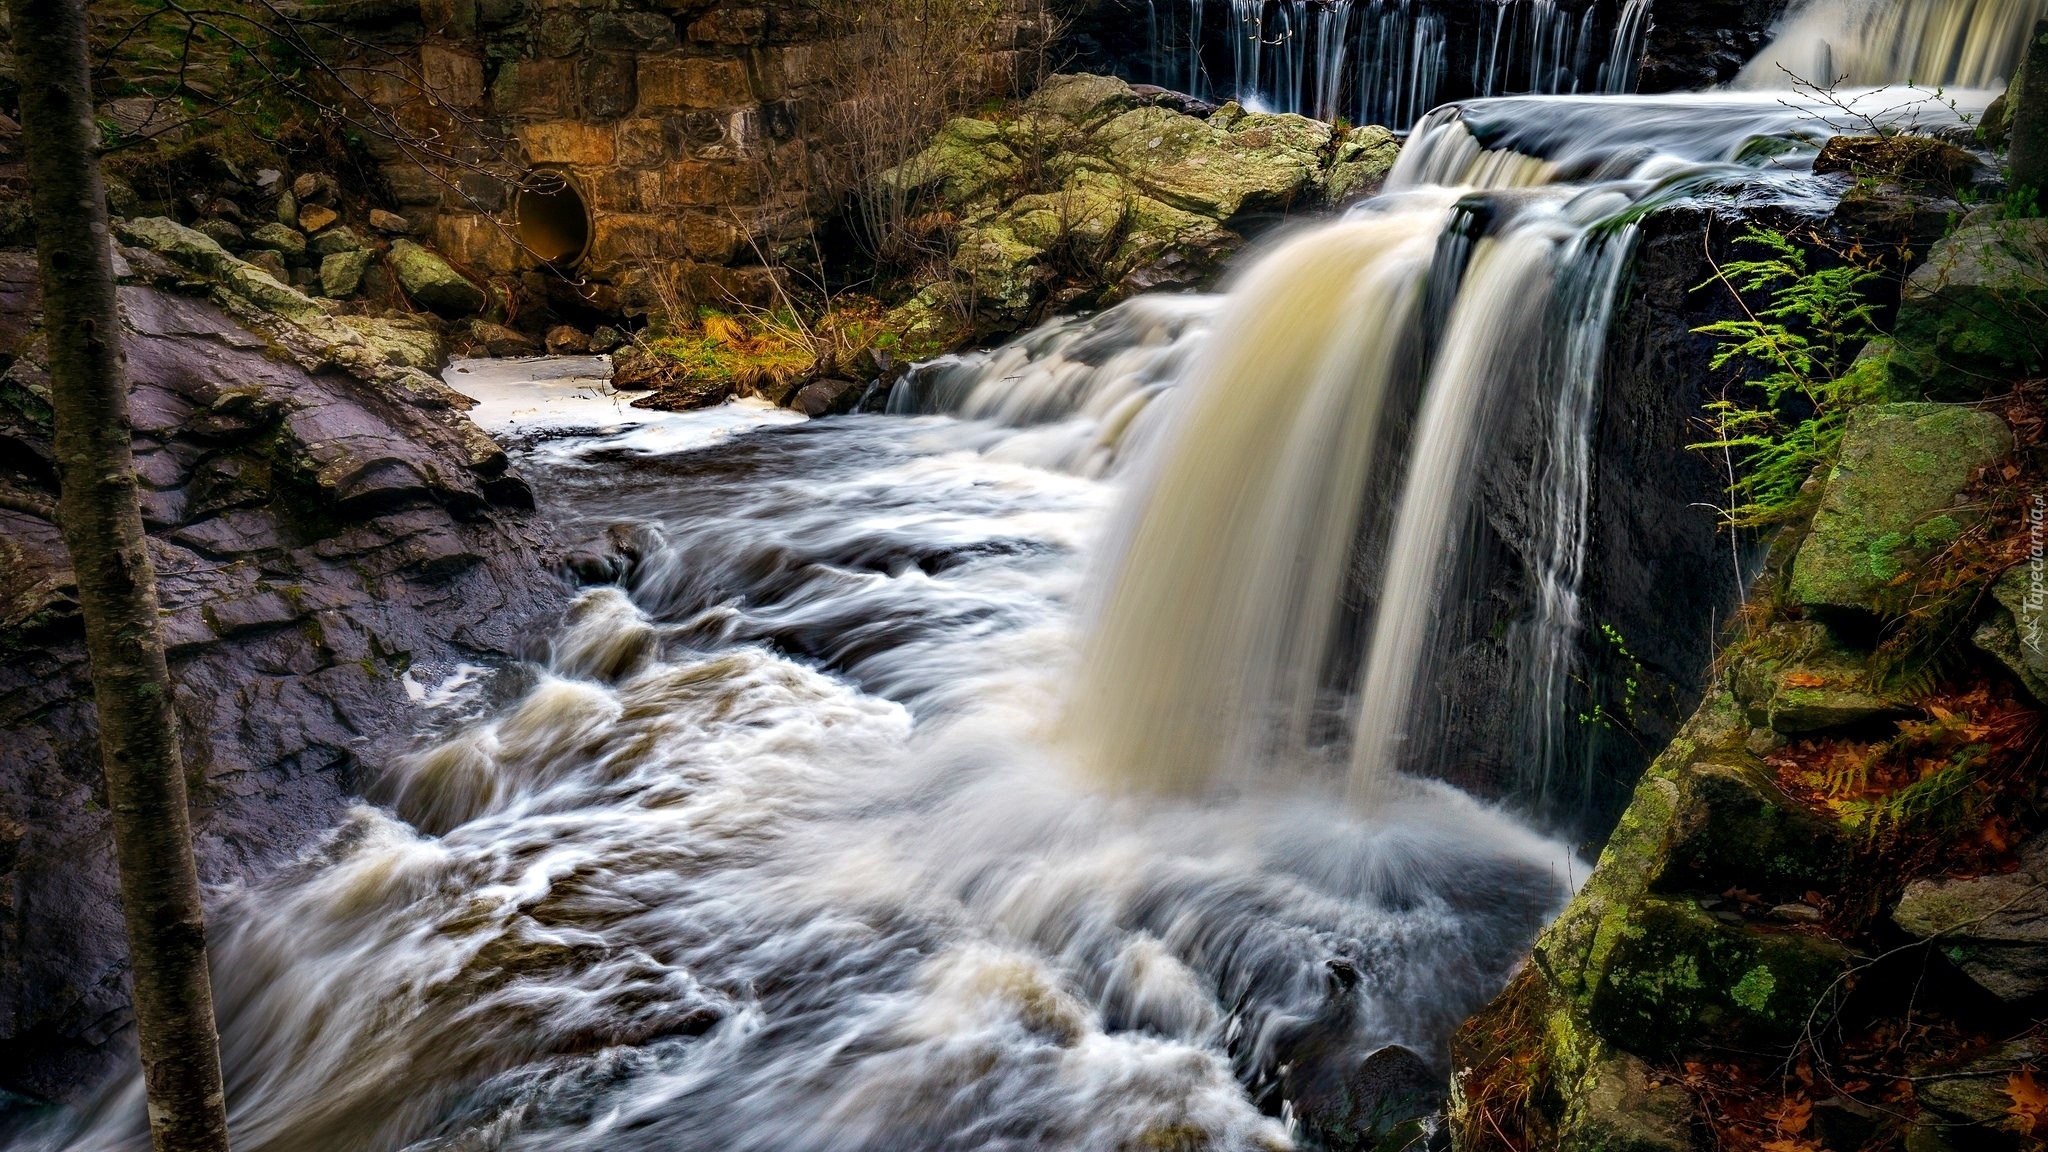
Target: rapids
1029	767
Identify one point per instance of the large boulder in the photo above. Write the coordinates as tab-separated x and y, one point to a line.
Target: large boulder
433	281
1230	163
327	529
1970	317
1890	500
1994	928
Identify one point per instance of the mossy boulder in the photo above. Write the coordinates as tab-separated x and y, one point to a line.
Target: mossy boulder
2017	630
967	159
1258	163
1363	160
289	243
405	342
1970	317
341	274
432	281
1889	501
1679	975
1082	99
199	252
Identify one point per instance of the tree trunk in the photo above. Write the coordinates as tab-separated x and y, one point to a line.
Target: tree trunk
102	524
2029	112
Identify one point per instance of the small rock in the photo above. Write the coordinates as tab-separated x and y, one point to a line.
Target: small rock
1797	913
606	338
314	217
223	232
305	278
342	239
1846	1122
2017	632
289	243
433	282
566	340
227	209
390	223
497	340
269	182
271	263
341	273
826	397
316	188
287	209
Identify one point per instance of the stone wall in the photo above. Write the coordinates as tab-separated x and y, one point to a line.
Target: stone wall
690	130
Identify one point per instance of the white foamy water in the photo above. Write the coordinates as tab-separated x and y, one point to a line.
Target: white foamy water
777	851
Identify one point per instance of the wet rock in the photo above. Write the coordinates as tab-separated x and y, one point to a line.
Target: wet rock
390	223
490	339
1969	315
1362	163
2017	631
565	340
289	243
1914	159
1621	1107
293	607
1889	500
341	274
314	217
827	397
433	282
1994	928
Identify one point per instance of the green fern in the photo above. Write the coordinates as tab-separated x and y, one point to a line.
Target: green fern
1804	347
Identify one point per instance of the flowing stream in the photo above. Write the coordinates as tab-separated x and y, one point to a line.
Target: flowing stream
1026	768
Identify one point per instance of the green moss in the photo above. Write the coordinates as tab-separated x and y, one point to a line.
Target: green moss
1753	991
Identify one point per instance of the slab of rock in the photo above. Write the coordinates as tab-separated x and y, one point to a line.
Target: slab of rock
1970	316
1888	500
339	239
433	282
1994	928
2017	632
314	217
1800	681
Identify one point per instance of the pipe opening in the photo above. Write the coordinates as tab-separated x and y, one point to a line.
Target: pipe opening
552	220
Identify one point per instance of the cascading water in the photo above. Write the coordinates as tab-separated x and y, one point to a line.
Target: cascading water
798	838
1386	61
1860	43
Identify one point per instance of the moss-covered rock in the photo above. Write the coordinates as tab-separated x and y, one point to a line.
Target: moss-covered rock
1737	829
1796	680
1361	164
1259	163
2017	630
1678	976
966	160
1971	315
432	281
1889	501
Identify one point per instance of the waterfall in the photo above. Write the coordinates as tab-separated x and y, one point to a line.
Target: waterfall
1930	43
1387	61
1220	612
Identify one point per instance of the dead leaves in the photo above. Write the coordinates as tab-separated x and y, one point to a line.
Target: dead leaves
2029	1109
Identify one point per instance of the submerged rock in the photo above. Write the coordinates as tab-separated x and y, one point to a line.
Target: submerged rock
1890	499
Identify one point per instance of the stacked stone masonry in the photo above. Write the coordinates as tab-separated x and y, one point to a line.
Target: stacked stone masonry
690	130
